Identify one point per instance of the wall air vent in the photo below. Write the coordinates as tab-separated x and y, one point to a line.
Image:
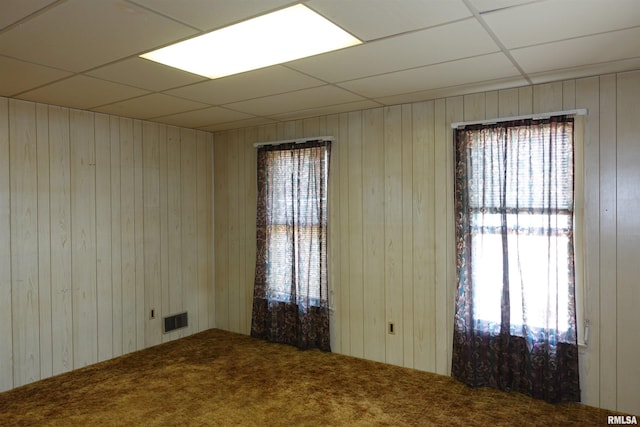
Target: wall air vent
176	321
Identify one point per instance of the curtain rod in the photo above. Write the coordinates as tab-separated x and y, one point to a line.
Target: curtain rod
578	112
295	141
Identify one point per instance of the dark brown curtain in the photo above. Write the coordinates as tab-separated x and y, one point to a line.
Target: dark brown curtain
290	300
515	317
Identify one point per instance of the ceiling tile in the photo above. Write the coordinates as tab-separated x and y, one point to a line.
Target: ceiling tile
294	101
15	10
596	49
83	54
255	121
19	76
82	92
463	89
77	35
561	19
253	84
485	6
145	74
454	41
211	14
481	68
586	71
153	105
331	109
373	19
204	117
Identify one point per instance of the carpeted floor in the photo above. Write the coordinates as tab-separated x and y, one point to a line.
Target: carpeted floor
222	378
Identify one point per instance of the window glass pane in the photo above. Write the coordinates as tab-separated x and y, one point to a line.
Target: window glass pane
537	256
533	170
519	201
296	224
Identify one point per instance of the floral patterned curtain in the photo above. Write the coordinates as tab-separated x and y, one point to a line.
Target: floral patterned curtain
515	318
290	300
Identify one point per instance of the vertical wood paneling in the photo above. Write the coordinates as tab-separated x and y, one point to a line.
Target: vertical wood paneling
233	248
332	128
608	243
474	106
24	242
547	97
628	236
284	131
322	126
188	216
508	101
444	133
444	113
525	100
270	132
211	303
299	127
423	229
491	105
138	221
174	233
116	237
569	95
453	113
422	220
163	184
44	240
407	236
203	236
311	127
60	208
241	310
104	270
83	243
373	297
587	96
393	244
151	232
161	293
127	239
85	220
221	227
440	233
355	232
251	178
345	268
6	325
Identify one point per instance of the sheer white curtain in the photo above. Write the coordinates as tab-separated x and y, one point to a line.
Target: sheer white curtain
515	324
291	301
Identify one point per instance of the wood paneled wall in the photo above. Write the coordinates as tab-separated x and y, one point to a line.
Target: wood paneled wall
101	219
391	226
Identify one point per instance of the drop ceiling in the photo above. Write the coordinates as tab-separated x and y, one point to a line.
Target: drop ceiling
84	54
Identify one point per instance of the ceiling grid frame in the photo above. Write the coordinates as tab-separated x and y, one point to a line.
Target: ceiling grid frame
413	50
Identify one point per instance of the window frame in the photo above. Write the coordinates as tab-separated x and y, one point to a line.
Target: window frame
582	324
278	292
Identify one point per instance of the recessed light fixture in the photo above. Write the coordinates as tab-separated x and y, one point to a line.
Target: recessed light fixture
287	34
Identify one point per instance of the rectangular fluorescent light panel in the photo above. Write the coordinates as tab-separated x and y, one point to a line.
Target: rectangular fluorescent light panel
287	34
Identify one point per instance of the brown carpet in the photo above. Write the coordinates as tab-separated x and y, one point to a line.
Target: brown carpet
222	378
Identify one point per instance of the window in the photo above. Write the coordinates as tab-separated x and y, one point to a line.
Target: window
297	223
290	298
519	215
515	314
521	224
